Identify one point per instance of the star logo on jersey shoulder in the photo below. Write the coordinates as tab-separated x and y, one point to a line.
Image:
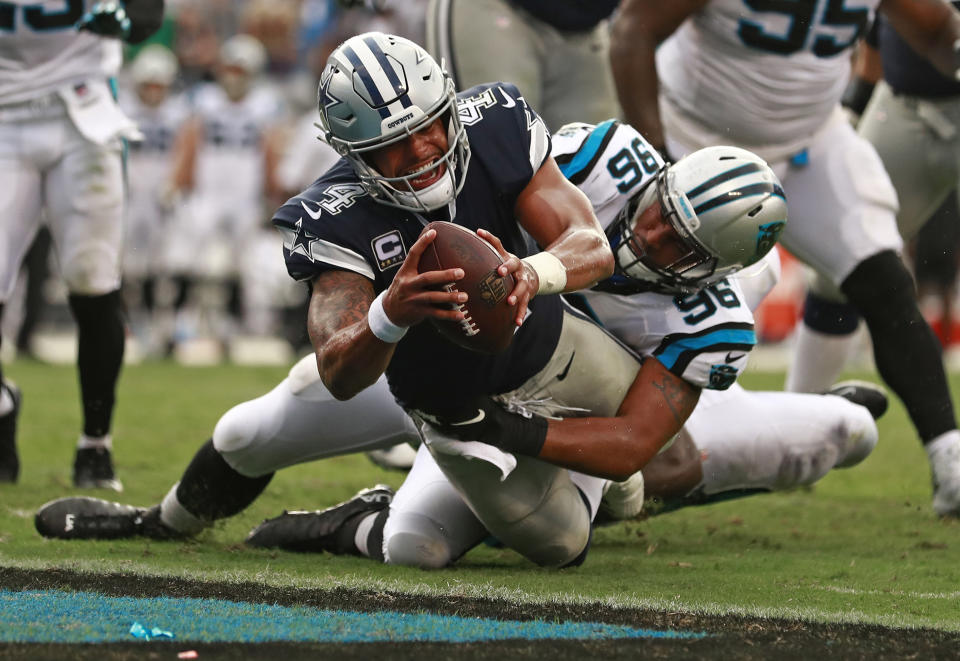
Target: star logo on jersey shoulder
303	241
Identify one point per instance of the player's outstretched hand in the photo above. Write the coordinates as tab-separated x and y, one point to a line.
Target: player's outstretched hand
413	296
107	19
526	279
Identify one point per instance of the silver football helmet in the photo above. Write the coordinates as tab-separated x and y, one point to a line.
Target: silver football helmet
378	89
728	208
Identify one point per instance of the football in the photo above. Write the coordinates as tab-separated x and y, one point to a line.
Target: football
488	326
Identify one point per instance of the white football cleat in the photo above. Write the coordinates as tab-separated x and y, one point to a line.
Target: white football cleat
944	456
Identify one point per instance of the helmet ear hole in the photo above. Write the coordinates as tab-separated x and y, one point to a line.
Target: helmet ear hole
753	212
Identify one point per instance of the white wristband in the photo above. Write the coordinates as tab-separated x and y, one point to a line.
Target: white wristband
380	324
550	270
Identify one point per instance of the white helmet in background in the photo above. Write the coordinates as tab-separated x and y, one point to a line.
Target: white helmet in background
728	208
244	52
154	64
377	89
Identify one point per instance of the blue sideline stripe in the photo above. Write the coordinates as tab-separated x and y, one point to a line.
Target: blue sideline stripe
670	354
588	151
52	616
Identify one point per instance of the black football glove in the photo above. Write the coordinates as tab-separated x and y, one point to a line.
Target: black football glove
482	419
107	19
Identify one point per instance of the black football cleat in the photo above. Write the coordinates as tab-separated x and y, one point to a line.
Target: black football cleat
9	461
93	469
316	531
82	517
866	394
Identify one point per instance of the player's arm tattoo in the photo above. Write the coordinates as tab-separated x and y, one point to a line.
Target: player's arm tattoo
339	299
679	396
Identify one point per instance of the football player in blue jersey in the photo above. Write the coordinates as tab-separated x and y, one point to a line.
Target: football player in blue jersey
355	235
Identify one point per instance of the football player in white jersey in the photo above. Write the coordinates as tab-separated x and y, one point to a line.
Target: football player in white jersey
702	336
225	160
159	114
60	158
769	76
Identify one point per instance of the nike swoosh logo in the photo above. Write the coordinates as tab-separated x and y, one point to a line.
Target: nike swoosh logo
843	392
562	375
731	357
313	214
475	419
508	101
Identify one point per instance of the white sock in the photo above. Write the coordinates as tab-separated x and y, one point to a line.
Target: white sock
174	515
6	401
818	359
87	442
941	442
363	531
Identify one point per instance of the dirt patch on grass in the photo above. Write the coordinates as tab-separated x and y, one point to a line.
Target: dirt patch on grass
731	637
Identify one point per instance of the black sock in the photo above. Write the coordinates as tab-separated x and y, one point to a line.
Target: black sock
346	543
100	341
906	351
210	489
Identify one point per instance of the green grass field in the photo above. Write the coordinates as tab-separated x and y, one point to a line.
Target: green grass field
862	546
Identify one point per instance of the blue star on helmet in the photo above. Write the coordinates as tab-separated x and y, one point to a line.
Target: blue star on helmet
326	98
303	241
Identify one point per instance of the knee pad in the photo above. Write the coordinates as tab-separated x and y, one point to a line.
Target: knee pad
551	529
858	437
243	433
537	510
829	317
415	540
555	532
233	431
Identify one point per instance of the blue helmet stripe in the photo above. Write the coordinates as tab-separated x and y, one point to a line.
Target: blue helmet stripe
738	194
725	176
399	86
361	70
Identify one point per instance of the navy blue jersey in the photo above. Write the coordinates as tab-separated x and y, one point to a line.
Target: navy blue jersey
335	224
569	15
905	70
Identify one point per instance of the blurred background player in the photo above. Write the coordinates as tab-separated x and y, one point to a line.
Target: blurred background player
224	169
769	77
159	112
913	121
60	157
556	51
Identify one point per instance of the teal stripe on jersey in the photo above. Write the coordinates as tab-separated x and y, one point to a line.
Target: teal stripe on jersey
670	354
588	151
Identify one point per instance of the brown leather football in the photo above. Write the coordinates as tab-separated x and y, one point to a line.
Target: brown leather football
488	326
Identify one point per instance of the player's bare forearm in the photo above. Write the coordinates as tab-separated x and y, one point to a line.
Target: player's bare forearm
653	412
559	217
638	29
349	356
